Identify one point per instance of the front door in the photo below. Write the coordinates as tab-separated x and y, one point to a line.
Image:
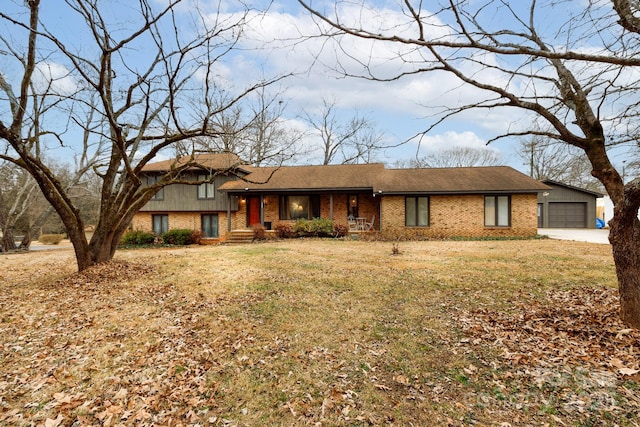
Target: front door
253	210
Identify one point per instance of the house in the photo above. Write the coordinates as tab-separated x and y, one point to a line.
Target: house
183	205
466	202
565	206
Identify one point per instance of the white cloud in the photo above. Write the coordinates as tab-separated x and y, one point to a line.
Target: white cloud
451	139
53	78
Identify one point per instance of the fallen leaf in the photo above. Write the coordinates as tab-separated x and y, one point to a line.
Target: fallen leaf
121	394
54	423
628	371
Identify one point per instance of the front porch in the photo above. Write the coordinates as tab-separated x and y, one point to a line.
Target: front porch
268	209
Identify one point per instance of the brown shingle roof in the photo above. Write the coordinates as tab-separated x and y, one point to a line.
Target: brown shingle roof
457	180
218	161
311	178
375	177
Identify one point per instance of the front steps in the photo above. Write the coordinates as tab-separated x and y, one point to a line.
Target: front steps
239	237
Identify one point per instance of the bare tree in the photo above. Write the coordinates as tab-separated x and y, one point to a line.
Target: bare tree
17	195
354	140
573	74
133	79
268	141
255	130
24	211
456	157
558	162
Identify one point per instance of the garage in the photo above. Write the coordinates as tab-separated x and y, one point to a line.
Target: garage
567	215
565	206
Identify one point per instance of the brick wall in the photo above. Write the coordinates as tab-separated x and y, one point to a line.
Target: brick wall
189	220
460	216
450	216
271	210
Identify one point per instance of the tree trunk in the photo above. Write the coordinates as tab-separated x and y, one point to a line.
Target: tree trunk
35	227
7	242
26	241
624	236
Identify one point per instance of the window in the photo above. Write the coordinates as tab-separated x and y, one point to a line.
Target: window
416	211
153	179
296	207
210	225
206	189
160	224
497	211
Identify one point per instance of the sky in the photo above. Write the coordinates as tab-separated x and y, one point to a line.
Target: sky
275	42
400	109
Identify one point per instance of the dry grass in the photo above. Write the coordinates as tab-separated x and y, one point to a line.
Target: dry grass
316	333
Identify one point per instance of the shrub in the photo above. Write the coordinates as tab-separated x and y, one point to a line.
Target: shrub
259	232
301	227
317	227
196	237
178	236
340	230
283	230
137	237
321	227
51	239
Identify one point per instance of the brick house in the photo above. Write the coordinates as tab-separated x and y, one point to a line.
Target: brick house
448	202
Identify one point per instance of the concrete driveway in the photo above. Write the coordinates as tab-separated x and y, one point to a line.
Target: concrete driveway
591	235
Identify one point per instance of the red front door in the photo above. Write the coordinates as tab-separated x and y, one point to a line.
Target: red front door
253	211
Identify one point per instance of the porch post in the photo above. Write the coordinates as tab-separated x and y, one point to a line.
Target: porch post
228	212
380	214
262	210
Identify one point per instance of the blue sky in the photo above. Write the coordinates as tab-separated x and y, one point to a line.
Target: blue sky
272	46
400	108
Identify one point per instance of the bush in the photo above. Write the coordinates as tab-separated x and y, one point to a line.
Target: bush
317	227
51	239
283	230
137	237
301	227
340	230
196	237
259	232
321	227
178	236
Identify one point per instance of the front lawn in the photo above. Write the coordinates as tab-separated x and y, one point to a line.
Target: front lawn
319	332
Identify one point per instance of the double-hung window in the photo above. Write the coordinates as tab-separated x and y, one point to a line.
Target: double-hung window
209	225
206	189
416	211
497	211
151	180
160	224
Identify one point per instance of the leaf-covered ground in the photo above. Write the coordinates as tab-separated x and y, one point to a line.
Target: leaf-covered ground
318	333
